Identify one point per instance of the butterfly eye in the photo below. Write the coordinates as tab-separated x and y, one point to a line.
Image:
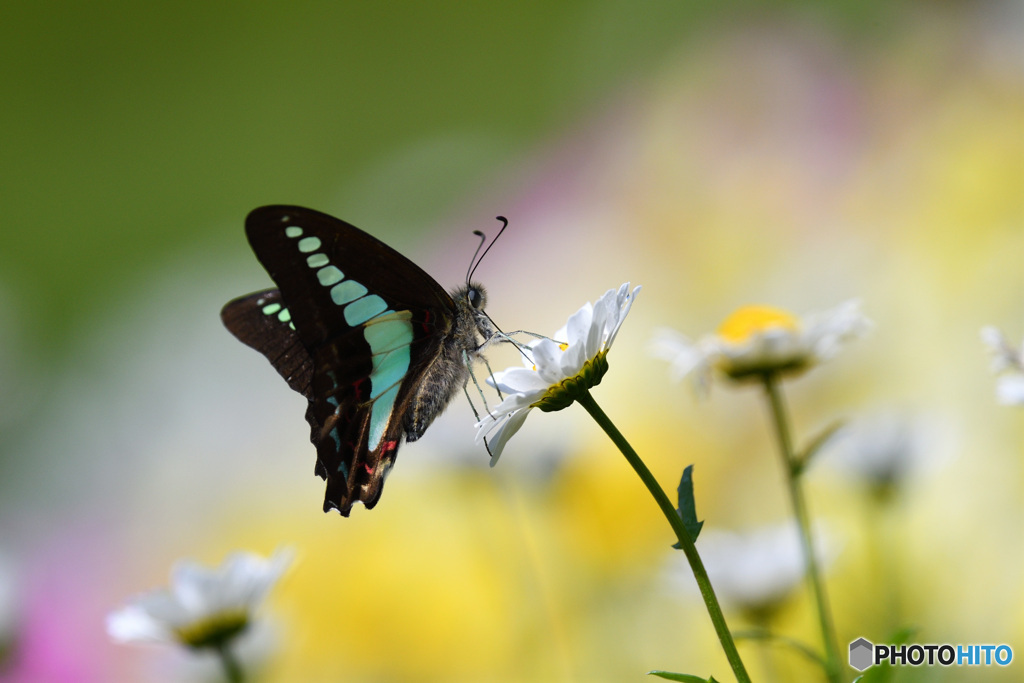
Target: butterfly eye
476	299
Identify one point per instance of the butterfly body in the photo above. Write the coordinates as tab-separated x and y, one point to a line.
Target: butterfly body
377	346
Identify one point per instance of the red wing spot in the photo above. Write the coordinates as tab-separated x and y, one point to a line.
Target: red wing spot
366	466
388	446
356	387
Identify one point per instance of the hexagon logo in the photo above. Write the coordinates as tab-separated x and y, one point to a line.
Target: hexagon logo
861	654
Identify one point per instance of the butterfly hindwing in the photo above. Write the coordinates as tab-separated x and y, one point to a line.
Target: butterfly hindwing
358	400
370	323
261	321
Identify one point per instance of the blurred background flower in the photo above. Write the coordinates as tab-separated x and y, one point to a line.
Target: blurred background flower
1008	362
209	611
718	154
887	451
755	340
753	571
203	607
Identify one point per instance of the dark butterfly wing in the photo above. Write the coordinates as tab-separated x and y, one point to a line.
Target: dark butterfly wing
262	321
370	321
301	249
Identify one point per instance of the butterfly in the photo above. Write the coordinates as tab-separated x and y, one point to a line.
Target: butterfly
377	346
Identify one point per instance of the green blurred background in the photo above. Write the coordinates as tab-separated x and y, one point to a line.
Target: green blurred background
790	153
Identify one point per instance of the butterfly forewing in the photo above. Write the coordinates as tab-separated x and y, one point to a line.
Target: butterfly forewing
318	261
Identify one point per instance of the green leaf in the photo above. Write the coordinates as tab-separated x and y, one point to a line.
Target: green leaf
687	506
686	678
803	459
768	636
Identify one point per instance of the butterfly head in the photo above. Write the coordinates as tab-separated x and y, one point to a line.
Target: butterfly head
470	301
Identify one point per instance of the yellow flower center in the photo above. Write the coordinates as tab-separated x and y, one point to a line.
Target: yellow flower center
747	321
214	630
563	394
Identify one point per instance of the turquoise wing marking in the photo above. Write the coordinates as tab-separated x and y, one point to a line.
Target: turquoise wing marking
380	414
346	291
389	336
361	310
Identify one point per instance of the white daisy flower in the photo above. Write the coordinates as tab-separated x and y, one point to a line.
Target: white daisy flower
886	450
754	571
756	340
204	608
556	372
1008	362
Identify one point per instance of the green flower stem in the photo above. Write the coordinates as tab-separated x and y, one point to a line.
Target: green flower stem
232	669
706	591
796	494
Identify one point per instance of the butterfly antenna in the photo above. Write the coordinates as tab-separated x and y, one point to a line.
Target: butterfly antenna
472	261
476	261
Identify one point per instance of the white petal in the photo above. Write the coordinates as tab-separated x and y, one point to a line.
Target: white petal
993	339
597	332
561	335
683	355
510	426
548	356
1010	390
486	425
494	419
497	379
573	359
578	326
526	355
521	380
247	578
1003	355
829	329
134	624
514	402
625	302
196	588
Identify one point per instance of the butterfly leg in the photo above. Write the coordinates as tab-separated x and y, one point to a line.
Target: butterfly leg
465	390
508	338
472	375
491	373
